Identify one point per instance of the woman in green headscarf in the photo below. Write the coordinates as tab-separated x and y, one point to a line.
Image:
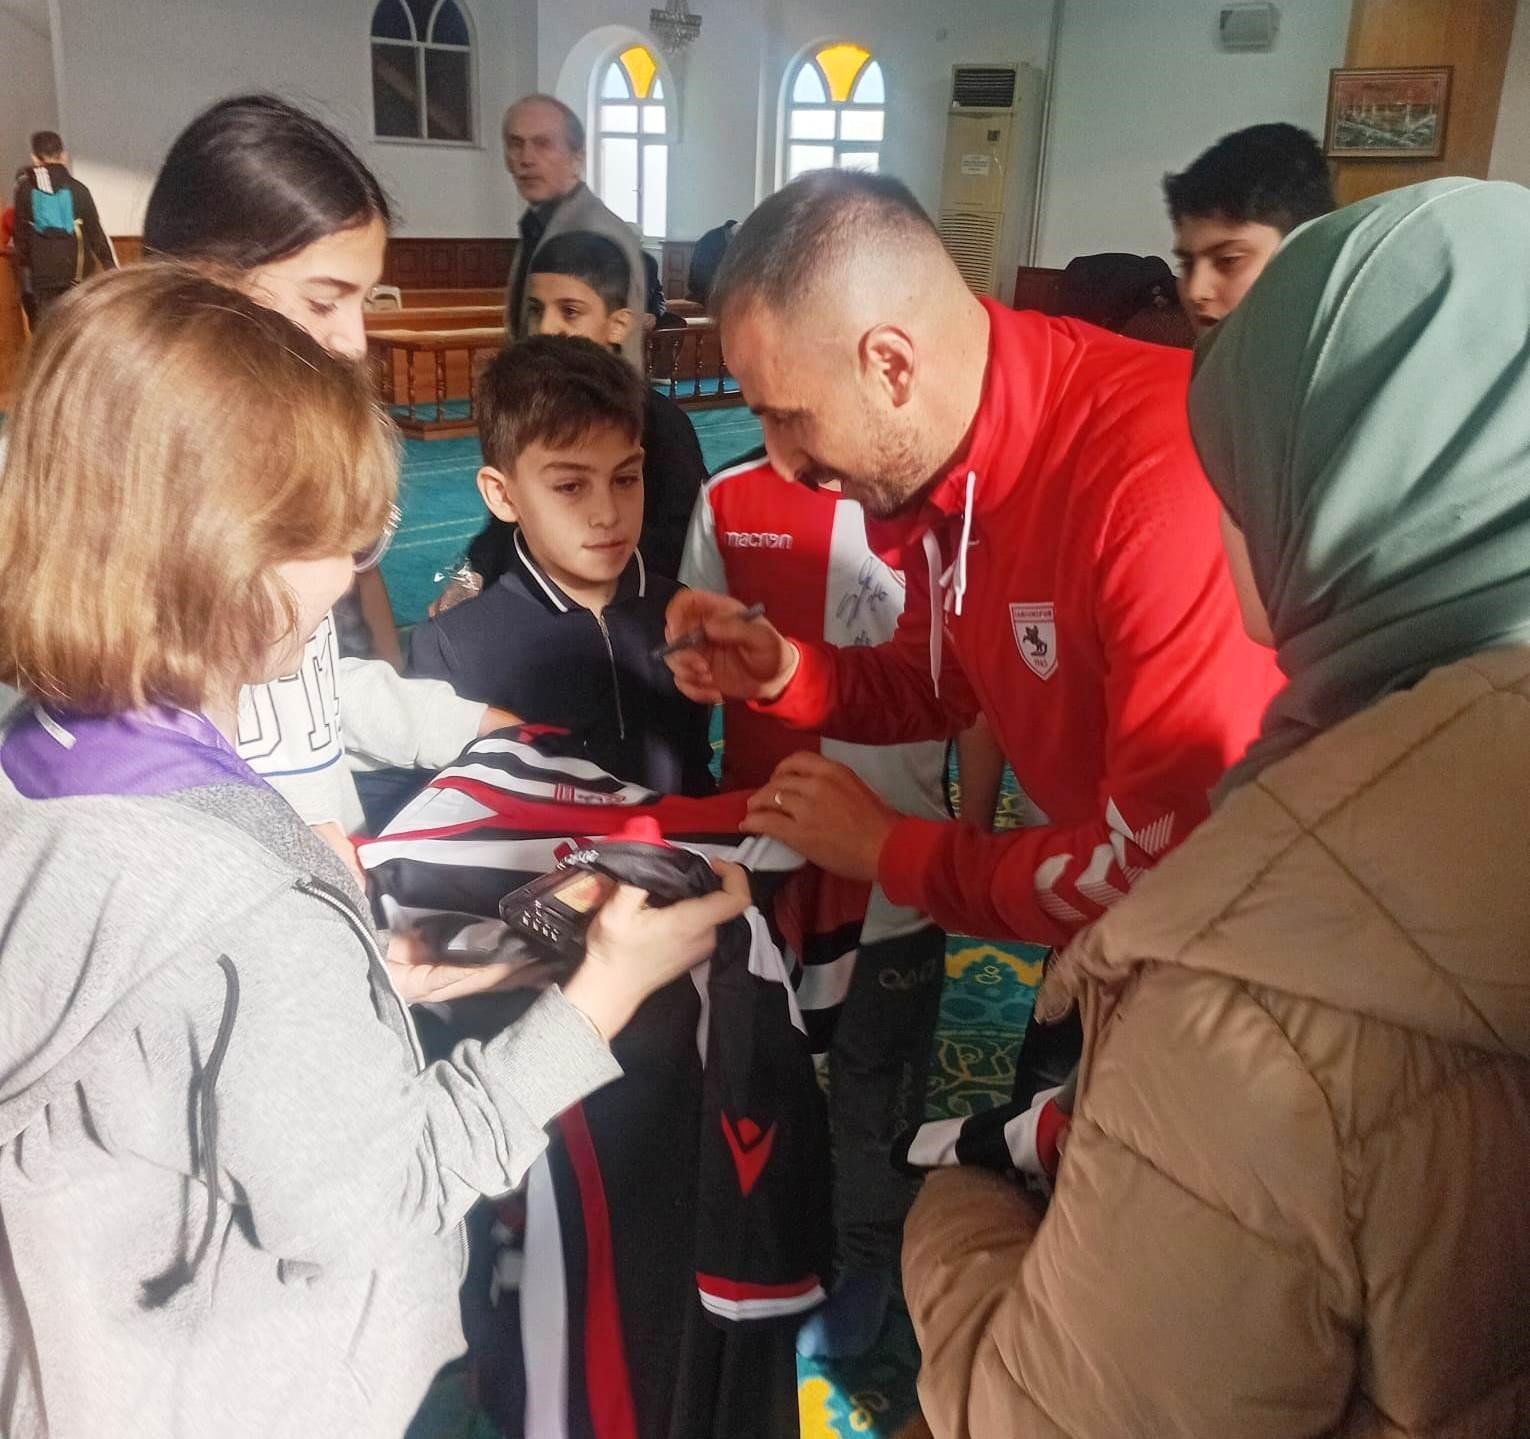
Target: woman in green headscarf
1295	1199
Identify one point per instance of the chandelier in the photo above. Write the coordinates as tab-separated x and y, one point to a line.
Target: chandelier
674	26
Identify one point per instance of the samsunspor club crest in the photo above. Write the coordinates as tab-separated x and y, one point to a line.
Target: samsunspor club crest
1035	637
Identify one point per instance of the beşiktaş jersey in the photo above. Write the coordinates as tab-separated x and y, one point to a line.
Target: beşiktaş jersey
678	1226
514	803
804	555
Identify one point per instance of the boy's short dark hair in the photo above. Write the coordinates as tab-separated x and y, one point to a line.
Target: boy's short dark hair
1268	175
593	259
553	390
47	144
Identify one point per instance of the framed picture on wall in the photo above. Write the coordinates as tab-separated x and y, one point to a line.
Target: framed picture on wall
1388	114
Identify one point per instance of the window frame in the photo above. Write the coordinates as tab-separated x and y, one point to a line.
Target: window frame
421	48
644	139
838	109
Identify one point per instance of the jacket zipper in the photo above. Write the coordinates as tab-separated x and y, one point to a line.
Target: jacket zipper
317	889
616	685
320	891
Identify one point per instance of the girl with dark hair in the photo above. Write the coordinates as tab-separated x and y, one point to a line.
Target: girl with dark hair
272	202
277	203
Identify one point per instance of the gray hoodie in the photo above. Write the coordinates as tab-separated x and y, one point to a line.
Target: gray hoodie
188	983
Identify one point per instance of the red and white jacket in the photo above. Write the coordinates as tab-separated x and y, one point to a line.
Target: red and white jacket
804	554
1080	600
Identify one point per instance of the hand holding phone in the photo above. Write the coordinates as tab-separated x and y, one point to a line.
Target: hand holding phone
634	948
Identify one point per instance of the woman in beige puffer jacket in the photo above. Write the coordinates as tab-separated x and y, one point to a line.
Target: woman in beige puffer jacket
1295	1199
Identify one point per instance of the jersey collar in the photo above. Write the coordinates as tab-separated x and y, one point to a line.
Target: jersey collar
633	583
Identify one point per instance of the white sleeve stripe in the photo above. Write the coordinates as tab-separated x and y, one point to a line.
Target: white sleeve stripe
825	985
1093	884
934	1144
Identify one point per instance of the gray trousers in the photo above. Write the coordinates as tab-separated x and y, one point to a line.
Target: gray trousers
879	1061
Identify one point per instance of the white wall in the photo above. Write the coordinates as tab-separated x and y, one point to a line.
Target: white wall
134	74
27	99
917	43
1511	142
1142	89
725	159
711	164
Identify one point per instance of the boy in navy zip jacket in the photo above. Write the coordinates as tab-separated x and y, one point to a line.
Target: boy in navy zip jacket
565	636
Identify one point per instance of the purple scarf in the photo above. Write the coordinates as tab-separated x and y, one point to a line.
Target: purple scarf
49	754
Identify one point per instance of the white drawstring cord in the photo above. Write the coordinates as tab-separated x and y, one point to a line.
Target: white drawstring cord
937	618
961	553
942	589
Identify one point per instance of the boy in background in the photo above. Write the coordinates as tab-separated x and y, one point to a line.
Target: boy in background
578	285
803	553
59	238
1233	208
566	634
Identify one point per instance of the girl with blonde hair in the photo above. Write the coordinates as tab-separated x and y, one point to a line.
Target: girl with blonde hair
229	1187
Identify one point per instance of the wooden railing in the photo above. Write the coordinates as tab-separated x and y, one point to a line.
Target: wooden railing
425	371
688	366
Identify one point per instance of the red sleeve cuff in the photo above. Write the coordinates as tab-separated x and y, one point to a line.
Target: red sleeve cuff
808	699
908	860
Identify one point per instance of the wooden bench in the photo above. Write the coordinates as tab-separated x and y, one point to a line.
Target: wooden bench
687	365
436	317
450	359
430	372
432	299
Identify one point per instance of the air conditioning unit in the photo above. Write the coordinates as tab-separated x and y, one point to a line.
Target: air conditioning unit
1248	27
989	88
987	187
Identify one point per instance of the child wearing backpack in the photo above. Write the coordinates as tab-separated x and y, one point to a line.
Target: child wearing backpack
58	233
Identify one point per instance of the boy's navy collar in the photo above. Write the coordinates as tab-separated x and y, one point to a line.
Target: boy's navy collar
632	584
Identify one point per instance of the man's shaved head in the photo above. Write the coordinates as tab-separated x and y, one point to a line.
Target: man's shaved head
809	237
852	336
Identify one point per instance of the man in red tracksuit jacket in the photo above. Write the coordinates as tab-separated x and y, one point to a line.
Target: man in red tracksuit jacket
1072	560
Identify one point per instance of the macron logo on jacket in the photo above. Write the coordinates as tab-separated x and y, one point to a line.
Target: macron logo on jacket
756	540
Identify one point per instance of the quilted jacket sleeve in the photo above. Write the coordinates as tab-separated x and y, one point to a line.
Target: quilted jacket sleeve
1185	1281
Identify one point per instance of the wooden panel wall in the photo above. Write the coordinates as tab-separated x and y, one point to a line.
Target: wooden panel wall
478	263
1037	289
12	335
449	264
675	268
1471	36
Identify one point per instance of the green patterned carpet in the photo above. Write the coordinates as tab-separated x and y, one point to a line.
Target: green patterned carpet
983	1013
987	1001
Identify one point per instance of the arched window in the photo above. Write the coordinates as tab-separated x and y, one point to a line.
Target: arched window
422	71
632	131
835	111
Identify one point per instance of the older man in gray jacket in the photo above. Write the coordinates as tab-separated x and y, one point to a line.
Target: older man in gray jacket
545	155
